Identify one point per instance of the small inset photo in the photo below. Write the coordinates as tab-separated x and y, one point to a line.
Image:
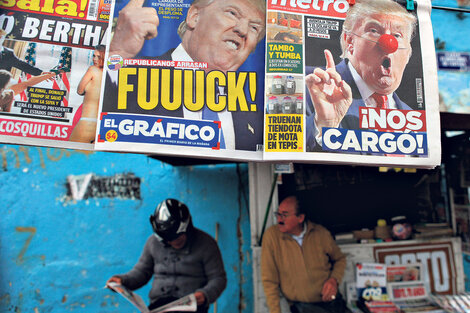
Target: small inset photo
284	94
285	105
284	28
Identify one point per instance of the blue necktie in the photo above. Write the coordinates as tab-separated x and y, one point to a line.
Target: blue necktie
208	114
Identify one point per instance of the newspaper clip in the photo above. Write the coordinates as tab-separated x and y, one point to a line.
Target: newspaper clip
410	5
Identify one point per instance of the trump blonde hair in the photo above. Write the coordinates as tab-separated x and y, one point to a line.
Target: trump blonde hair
259	4
363	8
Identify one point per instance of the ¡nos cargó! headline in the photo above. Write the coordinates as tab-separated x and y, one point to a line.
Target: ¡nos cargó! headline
387	131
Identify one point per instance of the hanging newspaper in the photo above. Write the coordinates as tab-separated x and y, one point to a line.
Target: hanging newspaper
185	77
351	83
51	63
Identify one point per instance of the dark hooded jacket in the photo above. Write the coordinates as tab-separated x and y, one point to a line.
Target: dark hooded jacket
198	266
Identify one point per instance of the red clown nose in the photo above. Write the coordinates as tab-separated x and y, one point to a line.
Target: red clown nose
388	43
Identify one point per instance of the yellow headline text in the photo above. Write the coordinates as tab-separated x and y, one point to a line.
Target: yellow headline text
173	88
280	51
284	133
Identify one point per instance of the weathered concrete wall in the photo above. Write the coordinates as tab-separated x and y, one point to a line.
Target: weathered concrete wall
57	253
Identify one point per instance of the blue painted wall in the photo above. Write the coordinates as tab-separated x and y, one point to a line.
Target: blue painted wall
56	254
451	29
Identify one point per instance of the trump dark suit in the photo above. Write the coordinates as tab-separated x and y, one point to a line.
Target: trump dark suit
8	59
351	119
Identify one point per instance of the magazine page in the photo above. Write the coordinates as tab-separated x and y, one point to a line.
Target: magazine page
185	78
130	296
343	86
184	304
404	273
51	62
371	281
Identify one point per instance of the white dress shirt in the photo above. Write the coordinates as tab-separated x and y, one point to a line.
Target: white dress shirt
366	92
300	238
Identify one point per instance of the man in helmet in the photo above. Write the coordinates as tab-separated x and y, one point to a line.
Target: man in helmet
181	258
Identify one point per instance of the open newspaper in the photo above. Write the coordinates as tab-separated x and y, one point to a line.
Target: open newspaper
184	304
231	80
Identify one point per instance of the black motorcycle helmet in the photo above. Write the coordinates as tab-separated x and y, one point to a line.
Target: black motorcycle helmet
170	220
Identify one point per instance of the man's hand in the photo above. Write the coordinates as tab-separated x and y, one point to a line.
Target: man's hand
329	290
135	24
330	95
50	74
200	297
114	279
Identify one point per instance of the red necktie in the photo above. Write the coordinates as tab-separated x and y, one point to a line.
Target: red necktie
381	100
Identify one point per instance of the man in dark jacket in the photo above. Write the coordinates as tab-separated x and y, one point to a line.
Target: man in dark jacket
181	258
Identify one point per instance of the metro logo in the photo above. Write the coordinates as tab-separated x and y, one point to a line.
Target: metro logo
332	8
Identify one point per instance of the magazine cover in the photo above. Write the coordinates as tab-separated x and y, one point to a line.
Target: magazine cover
351	83
185	78
404	273
371	281
51	62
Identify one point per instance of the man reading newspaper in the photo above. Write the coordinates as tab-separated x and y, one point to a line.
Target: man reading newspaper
181	259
